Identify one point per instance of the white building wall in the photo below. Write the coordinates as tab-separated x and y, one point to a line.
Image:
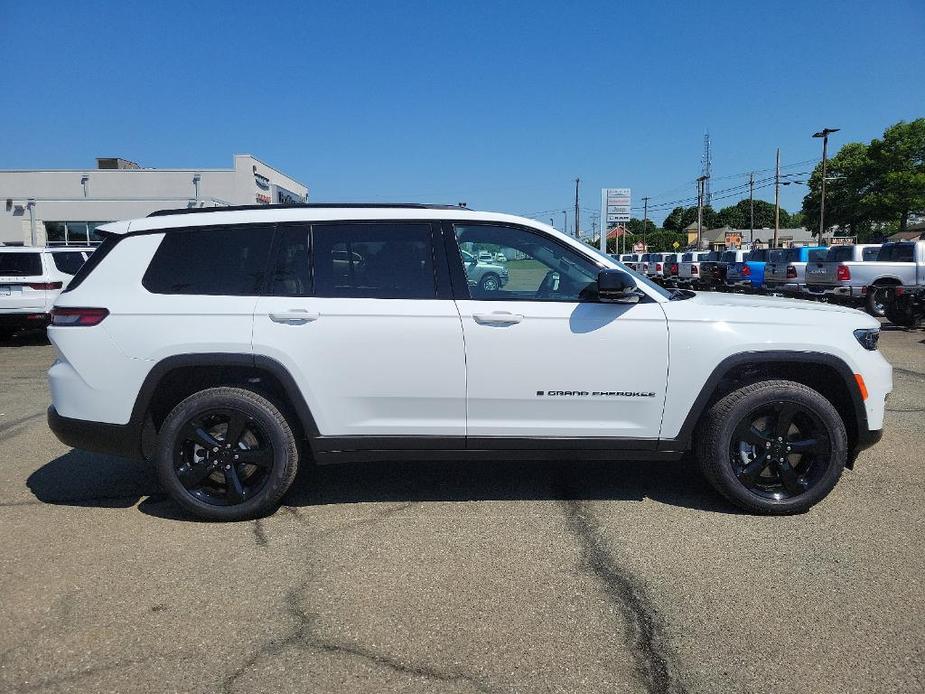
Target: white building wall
103	195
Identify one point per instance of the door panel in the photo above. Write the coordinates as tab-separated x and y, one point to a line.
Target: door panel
367	365
543	357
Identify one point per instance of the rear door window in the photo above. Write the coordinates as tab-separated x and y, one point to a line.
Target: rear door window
229	261
20	264
68	263
374	260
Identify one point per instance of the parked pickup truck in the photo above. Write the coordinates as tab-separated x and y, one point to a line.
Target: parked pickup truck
867	282
654	267
786	268
713	272
671	268
689	267
822	276
747	274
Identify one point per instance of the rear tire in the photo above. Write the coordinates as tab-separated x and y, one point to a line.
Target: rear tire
226	454
876	300
773	447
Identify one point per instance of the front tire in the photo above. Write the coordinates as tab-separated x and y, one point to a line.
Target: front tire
773	447
490	282
226	454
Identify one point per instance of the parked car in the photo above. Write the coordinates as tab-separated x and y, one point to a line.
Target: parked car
484	274
786	268
747	273
822	277
671	265
227	378
655	266
901	263
689	267
642	265
30	280
713	272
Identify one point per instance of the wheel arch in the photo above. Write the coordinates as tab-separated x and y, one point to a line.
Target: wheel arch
174	378
826	373
886	282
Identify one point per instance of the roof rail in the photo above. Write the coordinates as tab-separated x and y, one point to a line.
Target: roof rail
310	206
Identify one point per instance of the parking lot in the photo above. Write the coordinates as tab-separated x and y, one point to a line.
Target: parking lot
490	577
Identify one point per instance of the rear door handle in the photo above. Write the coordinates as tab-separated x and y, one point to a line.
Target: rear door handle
498	318
296	316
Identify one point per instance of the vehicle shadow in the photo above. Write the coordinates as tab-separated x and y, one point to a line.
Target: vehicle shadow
84	479
26	338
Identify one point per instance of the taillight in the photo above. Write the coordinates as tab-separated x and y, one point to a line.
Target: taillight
78	316
44	285
843	273
791	272
674	269
746	271
658	267
695	270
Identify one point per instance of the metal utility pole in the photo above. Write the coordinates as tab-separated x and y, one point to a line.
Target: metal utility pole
751	206
824	134
577	232
776	198
645	218
706	169
700	188
564	222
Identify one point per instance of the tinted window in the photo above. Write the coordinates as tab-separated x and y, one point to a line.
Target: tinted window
226	260
383	261
759	255
839	254
21	264
728	257
291	272
712	255
817	255
68	263
541	269
109	242
896	253
870	253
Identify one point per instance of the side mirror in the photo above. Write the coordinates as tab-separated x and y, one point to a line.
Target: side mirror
616	287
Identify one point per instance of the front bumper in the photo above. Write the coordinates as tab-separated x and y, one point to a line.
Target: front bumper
99	437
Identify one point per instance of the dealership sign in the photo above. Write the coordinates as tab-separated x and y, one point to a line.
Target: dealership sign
616	205
281	196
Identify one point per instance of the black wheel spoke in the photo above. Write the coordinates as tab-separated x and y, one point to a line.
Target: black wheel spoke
753	469
785	416
197	434
236	425
804	446
749	434
233	487
261	457
191	476
789	478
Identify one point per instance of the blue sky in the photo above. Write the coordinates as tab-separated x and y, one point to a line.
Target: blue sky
499	104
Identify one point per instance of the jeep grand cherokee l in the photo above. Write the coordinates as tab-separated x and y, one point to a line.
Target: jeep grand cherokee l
229	345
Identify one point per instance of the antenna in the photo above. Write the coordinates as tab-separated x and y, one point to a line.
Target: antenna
706	164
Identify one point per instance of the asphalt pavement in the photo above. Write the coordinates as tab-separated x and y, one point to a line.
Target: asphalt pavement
463	577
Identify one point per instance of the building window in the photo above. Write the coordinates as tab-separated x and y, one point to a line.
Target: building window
73	233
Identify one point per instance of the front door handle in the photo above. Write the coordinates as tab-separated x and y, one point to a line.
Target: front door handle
296	316
498	318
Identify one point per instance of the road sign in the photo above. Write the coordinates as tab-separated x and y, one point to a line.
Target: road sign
676	245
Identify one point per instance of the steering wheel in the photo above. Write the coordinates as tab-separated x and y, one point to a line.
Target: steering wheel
549	286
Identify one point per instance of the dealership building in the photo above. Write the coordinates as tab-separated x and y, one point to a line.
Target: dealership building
63	207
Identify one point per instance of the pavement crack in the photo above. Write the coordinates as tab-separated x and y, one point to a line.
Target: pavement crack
646	637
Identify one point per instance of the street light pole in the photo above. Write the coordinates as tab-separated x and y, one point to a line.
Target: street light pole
645	218
564	222
577	232
751	207
776	198
824	134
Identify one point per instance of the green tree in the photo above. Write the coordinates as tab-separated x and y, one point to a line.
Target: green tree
738	216
847	196
898	173
634	226
673	220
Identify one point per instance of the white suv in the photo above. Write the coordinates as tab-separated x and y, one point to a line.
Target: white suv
228	345
30	280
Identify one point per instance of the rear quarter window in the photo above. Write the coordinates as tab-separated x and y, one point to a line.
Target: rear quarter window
226	261
898	253
20	264
68	263
870	253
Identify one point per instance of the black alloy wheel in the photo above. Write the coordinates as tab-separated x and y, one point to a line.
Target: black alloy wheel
780	450
223	457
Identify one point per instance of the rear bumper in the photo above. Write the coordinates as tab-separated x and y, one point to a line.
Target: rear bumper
27	318
838	292
115	439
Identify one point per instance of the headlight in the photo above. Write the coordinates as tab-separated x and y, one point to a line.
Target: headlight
868	337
